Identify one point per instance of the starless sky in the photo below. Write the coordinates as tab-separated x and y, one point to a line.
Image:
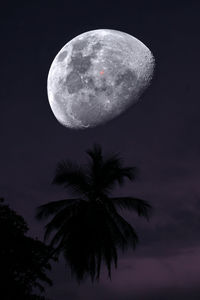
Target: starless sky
159	135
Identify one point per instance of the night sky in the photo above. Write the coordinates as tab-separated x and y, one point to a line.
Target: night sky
159	135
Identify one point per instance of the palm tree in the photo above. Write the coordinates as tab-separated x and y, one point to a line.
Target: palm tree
89	229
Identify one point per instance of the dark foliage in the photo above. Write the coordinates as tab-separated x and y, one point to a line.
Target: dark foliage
88	229
23	260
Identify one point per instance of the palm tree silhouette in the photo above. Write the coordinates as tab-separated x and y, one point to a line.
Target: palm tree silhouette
89	229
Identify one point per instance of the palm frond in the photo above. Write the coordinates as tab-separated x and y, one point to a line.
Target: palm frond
72	176
95	153
45	210
142	207
105	172
68	225
118	174
128	231
61	217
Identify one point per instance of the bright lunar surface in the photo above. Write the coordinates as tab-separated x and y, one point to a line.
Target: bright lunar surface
96	76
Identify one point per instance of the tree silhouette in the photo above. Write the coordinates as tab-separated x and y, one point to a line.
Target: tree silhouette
23	260
88	229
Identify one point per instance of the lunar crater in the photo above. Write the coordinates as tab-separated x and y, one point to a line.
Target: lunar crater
74	82
62	56
79	63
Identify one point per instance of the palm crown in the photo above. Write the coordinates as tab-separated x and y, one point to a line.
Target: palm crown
89	229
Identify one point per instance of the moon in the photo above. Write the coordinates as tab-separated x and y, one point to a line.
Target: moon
96	76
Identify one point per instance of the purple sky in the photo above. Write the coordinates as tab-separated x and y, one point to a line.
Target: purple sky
160	136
